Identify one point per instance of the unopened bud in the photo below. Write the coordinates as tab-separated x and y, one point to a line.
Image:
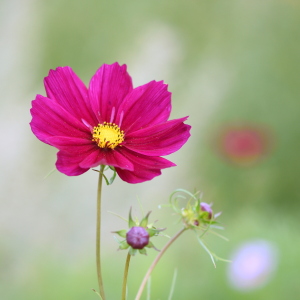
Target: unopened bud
206	207
137	237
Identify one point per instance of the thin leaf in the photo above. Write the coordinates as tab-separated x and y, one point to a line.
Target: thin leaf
218	214
141	206
105	178
97	294
116	239
173	284
160	206
211	254
111	180
52	171
219	235
148	288
204	232
186	192
215	225
118	216
174	200
207	250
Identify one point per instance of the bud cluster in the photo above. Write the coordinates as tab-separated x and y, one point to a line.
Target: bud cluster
195	214
138	236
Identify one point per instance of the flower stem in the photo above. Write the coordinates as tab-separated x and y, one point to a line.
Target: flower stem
125	276
154	263
98	233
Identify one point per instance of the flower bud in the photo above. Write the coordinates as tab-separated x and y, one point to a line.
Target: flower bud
206	208
137	237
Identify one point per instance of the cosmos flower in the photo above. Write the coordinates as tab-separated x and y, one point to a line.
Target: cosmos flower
244	145
109	123
253	265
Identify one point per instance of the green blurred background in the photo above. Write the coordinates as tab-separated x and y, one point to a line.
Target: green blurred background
226	62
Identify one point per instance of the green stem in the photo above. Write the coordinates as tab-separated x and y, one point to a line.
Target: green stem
154	263
125	276
98	233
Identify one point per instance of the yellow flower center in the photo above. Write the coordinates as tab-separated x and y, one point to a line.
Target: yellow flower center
108	135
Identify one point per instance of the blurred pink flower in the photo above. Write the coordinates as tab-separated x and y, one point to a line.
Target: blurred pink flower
253	265
243	145
109	123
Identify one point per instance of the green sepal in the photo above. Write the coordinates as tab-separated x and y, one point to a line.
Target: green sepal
198	206
113	177
105	178
132	251
143	251
151	245
131	223
144	222
123	245
152	231
122	233
204	214
111	180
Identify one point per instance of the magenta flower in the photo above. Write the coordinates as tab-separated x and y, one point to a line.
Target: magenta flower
109	123
245	144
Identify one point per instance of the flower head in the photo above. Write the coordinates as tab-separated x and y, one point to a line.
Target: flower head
244	145
197	216
109	123
253	264
138	236
194	214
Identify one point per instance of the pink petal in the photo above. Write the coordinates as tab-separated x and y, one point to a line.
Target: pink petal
159	140
108	158
50	119
64	86
145	168
68	163
108	88
72	145
149	104
138	176
89	154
